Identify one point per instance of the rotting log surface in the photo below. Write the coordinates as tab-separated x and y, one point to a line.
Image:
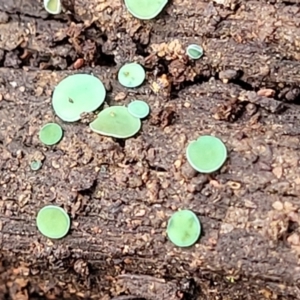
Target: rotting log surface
121	193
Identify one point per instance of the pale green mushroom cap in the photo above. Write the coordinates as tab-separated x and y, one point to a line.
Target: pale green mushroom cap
50	134
145	9
194	51
35	165
207	154
131	75
184	228
117	122
77	94
53	222
139	109
53	6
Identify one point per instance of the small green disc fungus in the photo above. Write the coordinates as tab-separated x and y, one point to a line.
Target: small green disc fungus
50	134
145	9
53	6
194	51
53	222
207	154
184	228
131	75
117	122
35	165
77	94
139	109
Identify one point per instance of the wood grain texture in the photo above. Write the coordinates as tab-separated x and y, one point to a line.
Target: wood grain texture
120	194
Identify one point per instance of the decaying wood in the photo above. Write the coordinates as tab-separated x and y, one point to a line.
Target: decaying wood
120	194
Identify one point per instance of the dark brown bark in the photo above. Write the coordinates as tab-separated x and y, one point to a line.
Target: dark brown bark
121	194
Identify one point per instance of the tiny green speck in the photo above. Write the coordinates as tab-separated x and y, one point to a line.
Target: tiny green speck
35	165
194	51
139	109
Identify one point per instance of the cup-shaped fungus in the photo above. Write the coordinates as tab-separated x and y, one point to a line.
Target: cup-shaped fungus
35	165
194	51
50	134
139	109
117	122
145	9
184	228
131	75
207	154
53	222
53	6
77	94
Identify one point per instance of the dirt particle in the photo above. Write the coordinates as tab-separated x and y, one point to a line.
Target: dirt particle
140	213
81	267
277	205
78	63
226	228
187	171
234	185
3	17
178	163
278	171
55	164
294	239
228	75
120	96
39	91
266	93
161	85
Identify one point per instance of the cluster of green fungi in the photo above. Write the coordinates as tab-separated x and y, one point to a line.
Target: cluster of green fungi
84	93
207	154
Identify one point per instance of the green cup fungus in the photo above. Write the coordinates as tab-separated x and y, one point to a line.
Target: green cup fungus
50	134
131	75
184	228
53	6
139	109
207	154
35	165
145	9
77	94
117	122
194	51
53	222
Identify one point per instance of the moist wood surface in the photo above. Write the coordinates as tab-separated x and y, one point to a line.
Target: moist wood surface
120	194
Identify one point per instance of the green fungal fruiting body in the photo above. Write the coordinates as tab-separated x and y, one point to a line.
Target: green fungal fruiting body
50	134
207	154
131	75
53	6
53	222
77	94
117	122
139	109
184	228
194	51
145	9
35	165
